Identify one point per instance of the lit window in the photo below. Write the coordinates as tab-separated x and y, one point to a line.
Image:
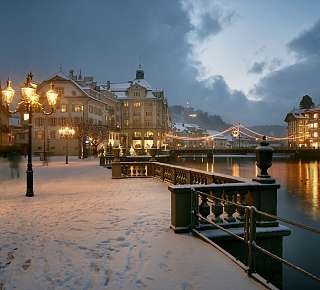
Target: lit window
63	108
315	125
77	108
315	115
125	104
137	134
148	134
315	134
137	104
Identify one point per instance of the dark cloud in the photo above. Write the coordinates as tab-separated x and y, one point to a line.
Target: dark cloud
257	67
307	44
274	64
285	87
107	38
209	25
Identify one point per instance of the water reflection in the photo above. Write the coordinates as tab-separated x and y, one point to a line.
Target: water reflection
298	179
298	200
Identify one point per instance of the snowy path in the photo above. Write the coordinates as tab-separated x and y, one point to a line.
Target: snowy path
84	230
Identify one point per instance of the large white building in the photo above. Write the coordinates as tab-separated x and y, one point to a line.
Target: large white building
144	111
94	114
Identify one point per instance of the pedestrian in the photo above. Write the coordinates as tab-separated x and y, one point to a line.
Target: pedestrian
14	159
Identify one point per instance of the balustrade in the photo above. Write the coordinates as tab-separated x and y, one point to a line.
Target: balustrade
171	173
226	206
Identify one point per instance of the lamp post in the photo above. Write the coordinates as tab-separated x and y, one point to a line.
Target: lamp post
66	133
28	102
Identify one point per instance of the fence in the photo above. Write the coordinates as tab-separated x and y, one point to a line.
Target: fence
249	215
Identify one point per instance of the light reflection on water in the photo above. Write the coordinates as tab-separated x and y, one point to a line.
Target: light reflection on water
300	179
298	200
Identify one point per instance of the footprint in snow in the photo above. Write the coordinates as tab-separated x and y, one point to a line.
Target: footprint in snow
186	286
10	257
26	264
95	267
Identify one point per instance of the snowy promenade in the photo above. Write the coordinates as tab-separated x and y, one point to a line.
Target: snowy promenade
83	230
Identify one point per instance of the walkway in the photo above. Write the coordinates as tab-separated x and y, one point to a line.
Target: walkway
83	230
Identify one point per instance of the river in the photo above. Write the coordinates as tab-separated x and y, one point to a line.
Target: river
298	200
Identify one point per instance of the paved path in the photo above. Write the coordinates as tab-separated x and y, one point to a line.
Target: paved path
83	230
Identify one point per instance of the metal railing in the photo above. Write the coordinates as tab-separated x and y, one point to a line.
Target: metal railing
200	212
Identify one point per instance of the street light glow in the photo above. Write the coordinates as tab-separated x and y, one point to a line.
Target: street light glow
52	96
7	93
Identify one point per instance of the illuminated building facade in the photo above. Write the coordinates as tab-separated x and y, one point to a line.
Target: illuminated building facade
144	113
303	128
94	114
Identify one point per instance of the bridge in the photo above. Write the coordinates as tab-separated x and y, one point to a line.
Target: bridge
299	152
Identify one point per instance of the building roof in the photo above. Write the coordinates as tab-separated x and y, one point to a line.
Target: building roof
120	89
60	76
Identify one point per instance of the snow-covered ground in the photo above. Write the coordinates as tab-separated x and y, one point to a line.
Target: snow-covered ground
83	230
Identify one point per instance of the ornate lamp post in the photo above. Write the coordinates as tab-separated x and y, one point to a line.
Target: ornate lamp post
28	103
67	133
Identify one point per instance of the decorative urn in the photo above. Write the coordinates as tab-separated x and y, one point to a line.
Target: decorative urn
264	154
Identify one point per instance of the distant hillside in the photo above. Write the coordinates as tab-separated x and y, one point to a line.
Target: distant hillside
180	114
271	130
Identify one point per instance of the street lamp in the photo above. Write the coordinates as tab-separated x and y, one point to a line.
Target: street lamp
29	101
67	133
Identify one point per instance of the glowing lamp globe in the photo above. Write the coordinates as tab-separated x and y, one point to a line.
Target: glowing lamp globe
7	93
28	93
34	98
52	96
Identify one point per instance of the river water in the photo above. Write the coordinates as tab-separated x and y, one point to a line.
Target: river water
298	200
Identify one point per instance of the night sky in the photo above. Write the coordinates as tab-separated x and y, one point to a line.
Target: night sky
248	61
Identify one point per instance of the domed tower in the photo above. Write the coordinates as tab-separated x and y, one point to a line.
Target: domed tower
139	73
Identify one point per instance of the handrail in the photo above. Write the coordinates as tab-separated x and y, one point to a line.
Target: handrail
296	224
250	231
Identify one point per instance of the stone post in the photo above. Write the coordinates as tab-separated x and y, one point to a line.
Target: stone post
116	153
153	152
116	169
265	197
180	208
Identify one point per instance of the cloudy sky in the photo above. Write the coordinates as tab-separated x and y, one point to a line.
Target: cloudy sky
246	60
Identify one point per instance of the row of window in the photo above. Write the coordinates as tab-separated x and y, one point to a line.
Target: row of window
313	125
75	108
138	104
138	134
39	135
138	124
95	110
39	122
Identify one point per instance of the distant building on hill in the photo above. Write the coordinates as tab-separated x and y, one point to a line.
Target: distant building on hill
303	127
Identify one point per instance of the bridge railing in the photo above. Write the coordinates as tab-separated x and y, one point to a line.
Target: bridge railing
249	216
170	173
